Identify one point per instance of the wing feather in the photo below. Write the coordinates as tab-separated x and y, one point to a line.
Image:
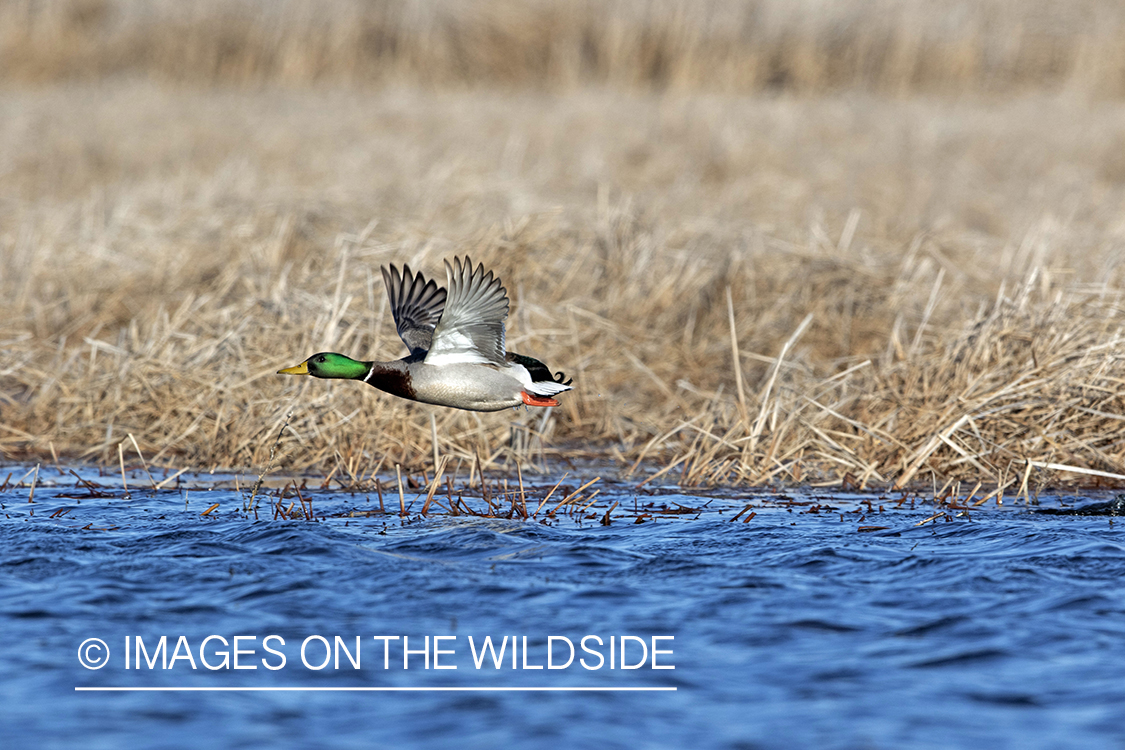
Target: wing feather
416	305
471	329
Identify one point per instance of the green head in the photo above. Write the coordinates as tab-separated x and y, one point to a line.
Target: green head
329	365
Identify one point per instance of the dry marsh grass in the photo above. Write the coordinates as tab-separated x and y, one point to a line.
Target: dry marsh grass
896	46
917	291
879	284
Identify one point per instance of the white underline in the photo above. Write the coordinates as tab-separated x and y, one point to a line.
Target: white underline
377	689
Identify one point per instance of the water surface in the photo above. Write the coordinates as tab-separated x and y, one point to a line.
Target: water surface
997	626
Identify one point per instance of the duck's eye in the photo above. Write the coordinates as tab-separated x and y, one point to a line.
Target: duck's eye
321	358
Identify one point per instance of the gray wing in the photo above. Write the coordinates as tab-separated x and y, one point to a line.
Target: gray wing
416	305
471	329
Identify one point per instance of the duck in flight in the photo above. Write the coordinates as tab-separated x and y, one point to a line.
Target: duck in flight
456	341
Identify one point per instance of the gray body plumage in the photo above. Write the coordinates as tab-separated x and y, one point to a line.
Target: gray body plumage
466	386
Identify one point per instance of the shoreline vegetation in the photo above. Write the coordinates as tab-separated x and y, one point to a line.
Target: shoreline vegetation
897	268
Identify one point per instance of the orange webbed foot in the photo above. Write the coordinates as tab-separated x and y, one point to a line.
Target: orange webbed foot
532	400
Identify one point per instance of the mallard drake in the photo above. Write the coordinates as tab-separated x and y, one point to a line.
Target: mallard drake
456	341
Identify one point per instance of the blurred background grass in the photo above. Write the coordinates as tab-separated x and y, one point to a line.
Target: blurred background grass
193	195
808	46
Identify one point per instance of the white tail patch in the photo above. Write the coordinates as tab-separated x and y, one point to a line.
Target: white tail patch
546	388
539	387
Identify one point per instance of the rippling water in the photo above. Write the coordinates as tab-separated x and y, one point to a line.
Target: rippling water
1001	627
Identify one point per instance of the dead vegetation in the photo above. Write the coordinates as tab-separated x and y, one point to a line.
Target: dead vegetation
849	288
896	46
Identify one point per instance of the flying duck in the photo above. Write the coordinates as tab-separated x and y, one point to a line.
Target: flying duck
456	341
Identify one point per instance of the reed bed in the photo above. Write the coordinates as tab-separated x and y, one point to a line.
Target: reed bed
894	46
853	288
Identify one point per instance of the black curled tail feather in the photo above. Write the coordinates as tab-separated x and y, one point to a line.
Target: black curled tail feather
538	371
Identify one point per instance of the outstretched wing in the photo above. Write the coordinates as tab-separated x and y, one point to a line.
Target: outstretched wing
416	305
471	329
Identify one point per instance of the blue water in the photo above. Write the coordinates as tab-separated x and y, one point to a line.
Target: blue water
1002	628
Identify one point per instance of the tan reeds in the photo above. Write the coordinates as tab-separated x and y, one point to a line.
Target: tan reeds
1033	376
723	45
973	405
852	289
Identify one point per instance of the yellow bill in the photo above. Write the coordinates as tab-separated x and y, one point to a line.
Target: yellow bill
301	369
